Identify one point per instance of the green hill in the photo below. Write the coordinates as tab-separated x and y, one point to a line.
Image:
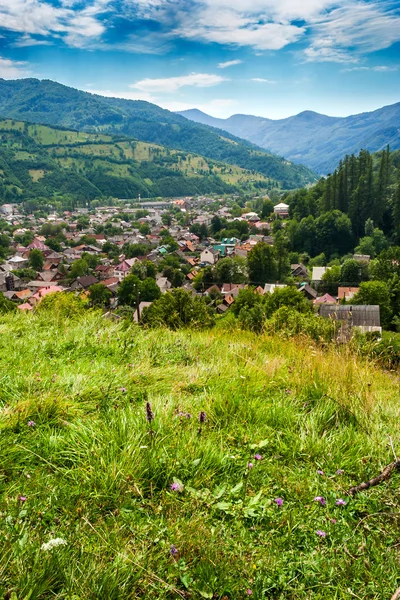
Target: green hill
55	104
37	160
86	504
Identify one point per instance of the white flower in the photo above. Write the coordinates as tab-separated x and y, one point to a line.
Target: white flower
53	544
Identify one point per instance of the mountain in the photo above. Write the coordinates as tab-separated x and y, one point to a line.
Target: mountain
42	161
312	139
51	103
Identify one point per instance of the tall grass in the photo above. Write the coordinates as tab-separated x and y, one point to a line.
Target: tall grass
97	476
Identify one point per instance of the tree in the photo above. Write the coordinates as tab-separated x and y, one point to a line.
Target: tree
99	295
376	293
288	296
229	270
261	264
177	309
128	291
247	299
78	268
149	290
350	272
36	259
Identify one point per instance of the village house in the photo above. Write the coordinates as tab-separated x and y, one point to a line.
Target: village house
209	256
164	284
347	293
83	283
281	210
365	318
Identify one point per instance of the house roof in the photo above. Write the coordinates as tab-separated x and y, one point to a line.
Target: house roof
362	315
317	273
87	280
25	306
346	292
325	299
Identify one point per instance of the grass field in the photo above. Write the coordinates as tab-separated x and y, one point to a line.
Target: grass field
79	463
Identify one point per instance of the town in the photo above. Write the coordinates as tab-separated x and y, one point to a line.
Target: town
198	244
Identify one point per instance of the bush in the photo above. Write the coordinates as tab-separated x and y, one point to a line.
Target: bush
177	309
62	305
291	322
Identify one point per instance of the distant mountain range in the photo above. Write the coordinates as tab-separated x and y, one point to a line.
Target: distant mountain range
51	103
312	139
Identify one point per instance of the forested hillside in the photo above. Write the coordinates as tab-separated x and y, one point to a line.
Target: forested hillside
54	104
360	197
312	139
36	160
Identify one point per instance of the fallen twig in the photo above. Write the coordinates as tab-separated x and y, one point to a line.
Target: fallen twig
396	595
387	471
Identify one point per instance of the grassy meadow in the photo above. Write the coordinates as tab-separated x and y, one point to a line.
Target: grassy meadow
96	501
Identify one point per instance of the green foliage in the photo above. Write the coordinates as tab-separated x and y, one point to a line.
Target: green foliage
262	264
36	259
99	295
289	297
290	322
376	293
79	268
128	291
61	305
149	290
230	270
6	306
177	309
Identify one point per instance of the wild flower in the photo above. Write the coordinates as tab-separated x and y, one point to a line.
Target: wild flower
249	592
123	390
258	457
320	499
279	501
202	417
321	533
341	502
53	544
177	487
339	472
250	465
149	413
333	521
173	550
320	472
31	424
21	498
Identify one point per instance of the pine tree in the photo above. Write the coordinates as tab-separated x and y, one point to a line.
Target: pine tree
396	208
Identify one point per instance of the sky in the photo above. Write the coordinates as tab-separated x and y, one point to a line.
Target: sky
271	58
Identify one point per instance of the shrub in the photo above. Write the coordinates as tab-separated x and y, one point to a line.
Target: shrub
177	309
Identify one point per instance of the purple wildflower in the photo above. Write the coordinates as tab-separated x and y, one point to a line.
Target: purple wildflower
202	417
173	550
333	521
320	472
279	501
320	499
339	472
258	456
341	502
250	465
21	498
149	412
177	487
321	533
31	424
249	592
123	390
188	416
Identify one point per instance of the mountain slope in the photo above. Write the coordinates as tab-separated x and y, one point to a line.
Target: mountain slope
310	138
38	160
50	103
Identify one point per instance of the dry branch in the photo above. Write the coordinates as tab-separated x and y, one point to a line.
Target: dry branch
387	471
396	595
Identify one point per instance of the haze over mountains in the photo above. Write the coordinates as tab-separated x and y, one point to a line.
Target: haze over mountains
312	139
50	103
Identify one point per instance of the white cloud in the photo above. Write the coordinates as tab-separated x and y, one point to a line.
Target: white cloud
10	69
37	17
172	84
378	68
229	63
262	80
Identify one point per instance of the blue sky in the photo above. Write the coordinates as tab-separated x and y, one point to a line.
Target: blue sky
272	58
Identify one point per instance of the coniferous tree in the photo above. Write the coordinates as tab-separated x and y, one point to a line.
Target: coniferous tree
396	208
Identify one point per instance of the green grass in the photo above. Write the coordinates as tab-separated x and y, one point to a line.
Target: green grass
95	474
